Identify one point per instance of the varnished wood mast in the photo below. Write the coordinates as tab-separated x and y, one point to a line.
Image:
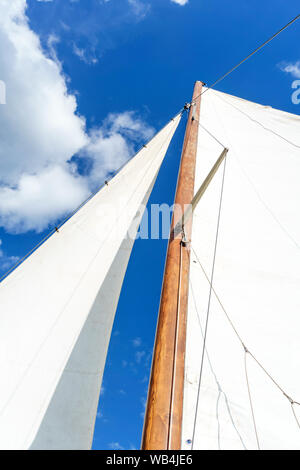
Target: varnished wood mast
163	419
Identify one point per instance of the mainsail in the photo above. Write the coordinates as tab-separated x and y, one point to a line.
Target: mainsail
57	312
244	293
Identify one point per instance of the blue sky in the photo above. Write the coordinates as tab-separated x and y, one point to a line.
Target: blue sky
107	61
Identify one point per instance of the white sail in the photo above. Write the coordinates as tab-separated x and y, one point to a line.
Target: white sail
57	312
256	281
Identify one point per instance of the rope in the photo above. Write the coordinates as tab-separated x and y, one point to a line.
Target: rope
218	298
295	416
291	400
209	133
209	301
250	399
248	56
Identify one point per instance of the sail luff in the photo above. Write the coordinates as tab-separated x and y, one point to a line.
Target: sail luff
253	302
57	311
162	426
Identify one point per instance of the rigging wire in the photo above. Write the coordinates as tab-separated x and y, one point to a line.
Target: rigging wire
214	137
248	56
220	390
291	400
250	399
209	299
294	413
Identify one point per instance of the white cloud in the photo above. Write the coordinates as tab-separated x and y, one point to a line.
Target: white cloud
292	67
180	2
102	18
143	400
133	447
139	8
137	342
139	356
38	125
39	199
101	417
116	446
84	55
53	40
40	131
113	143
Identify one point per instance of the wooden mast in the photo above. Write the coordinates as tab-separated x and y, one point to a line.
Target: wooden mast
163	418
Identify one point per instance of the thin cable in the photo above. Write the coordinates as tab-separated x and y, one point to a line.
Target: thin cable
218	298
250	399
209	301
215	376
248	56
294	413
237	334
291	400
214	137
